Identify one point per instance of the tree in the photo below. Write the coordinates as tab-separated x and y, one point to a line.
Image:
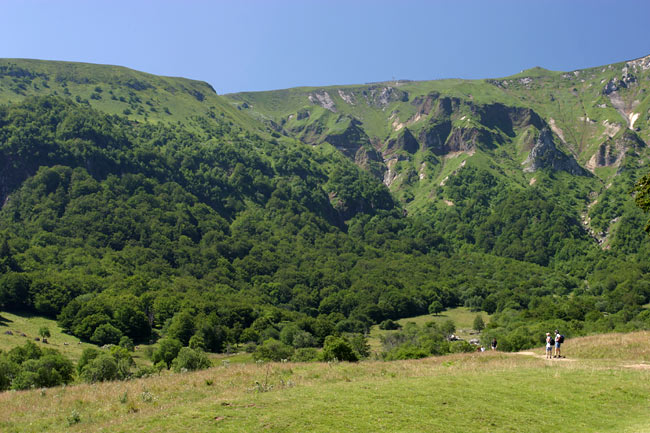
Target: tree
642	199
435	308
479	325
167	350
44	332
272	350
106	334
338	349
190	360
448	327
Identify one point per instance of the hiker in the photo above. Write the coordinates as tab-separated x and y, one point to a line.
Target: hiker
494	344
558	342
549	345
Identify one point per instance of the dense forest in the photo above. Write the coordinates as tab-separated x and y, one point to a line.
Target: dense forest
211	235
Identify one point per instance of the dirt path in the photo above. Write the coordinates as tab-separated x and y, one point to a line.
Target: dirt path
640	366
537	355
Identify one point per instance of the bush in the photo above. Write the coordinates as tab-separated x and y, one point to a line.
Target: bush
389	325
106	334
406	351
167	350
8	371
190	360
461	346
87	356
305	354
197	342
272	350
338	349
127	343
101	369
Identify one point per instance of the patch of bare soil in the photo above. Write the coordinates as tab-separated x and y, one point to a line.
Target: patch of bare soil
638	366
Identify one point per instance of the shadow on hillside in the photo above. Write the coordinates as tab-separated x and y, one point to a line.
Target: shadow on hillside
4	321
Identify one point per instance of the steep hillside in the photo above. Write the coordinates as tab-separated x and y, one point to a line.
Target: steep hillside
591	124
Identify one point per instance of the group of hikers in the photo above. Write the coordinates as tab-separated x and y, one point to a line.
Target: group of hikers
553	342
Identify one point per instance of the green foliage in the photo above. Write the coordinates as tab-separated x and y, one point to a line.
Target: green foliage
190	359
273	350
44	332
389	325
106	334
167	350
102	368
479	324
28	366
338	349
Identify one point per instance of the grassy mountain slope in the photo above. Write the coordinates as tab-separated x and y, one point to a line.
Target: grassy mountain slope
491	392
414	136
118	90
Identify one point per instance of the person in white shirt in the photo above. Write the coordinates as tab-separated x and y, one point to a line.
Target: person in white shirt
549	345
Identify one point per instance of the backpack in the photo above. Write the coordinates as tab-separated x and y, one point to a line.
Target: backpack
561	339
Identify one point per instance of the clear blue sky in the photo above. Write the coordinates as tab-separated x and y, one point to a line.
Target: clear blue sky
267	44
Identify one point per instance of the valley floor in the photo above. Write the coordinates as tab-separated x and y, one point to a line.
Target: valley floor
478	392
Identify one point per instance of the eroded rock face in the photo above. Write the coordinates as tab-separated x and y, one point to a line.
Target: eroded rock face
434	136
611	152
545	154
506	118
350	140
404	141
381	96
466	139
323	99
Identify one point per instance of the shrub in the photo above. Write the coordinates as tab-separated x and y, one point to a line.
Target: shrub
197	342
87	356
305	354
272	350
167	350
338	348
8	370
190	359
127	343
303	339
106	334
479	324
389	325
100	369
406	351
461	346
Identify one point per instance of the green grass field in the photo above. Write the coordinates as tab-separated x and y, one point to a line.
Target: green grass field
461	316
485	392
29	325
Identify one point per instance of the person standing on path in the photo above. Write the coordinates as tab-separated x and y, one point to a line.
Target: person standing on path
558	343
549	346
494	344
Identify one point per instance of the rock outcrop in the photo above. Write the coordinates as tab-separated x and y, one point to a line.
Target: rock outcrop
404	141
612	151
350	140
545	154
506	118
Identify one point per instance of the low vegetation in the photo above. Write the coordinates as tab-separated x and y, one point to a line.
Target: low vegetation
456	393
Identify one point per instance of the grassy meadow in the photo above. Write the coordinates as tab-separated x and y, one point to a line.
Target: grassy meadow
461	316
477	392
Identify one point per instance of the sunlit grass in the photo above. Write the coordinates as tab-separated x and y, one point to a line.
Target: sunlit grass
485	392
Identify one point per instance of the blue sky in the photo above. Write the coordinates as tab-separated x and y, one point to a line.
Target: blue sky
262	45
